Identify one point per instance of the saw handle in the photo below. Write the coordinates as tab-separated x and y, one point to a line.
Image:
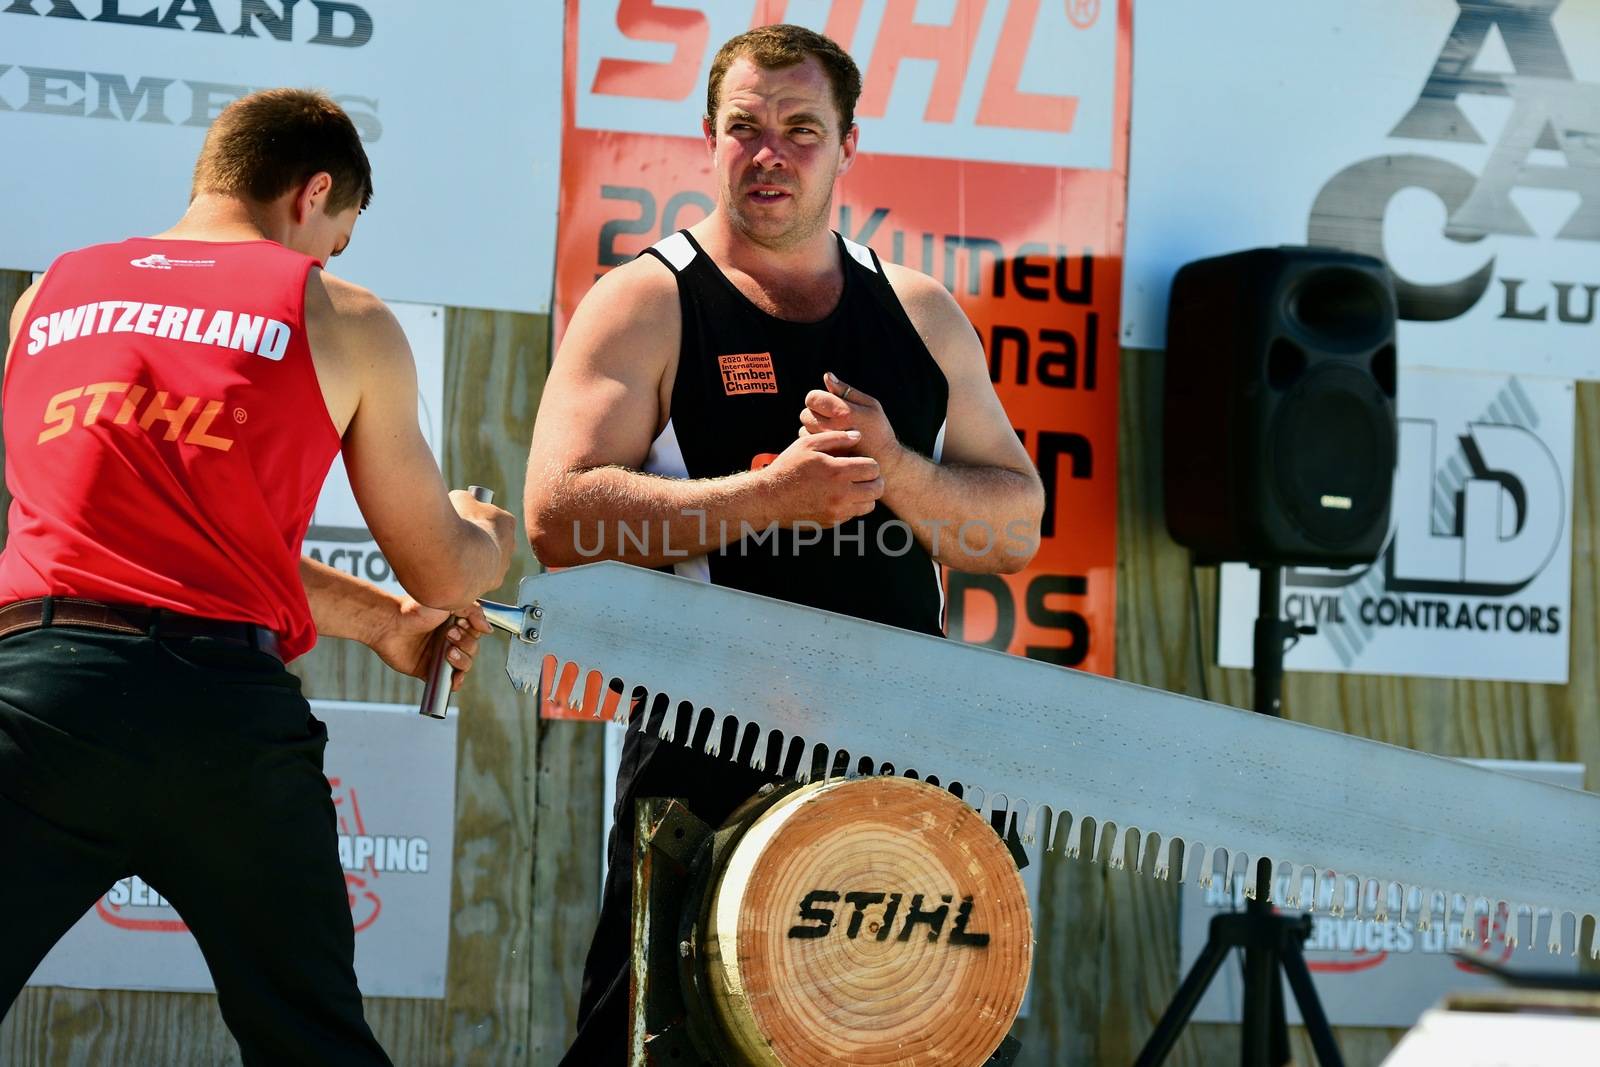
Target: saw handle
436	691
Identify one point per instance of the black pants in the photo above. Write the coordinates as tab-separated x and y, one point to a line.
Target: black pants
198	767
712	789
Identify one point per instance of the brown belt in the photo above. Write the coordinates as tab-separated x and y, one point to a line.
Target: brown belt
132	619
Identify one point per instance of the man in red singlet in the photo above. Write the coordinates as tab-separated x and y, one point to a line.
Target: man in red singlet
172	405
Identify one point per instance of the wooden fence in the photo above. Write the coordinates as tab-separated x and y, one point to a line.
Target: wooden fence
528	794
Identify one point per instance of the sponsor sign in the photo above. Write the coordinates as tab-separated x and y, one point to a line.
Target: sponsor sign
338	535
1475	580
103	106
993	158
1377	972
1454	139
393	800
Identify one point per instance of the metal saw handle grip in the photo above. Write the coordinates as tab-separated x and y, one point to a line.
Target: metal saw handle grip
436	691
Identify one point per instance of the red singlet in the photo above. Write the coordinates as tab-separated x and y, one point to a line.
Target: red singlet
166	437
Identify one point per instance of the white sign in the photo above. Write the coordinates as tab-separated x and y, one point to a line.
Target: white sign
1369	971
1475	579
394	798
103	106
1011	81
1458	142
338	535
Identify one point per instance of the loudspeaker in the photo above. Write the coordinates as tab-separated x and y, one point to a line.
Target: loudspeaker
1279	407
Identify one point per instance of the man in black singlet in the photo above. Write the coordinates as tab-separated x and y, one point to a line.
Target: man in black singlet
674	403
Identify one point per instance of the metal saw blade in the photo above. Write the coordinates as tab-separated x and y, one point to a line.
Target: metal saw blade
1412	834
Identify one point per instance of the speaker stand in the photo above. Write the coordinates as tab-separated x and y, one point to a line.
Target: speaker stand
1270	941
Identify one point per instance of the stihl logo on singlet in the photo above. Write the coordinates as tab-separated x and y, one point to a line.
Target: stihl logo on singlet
748	372
137	407
224	329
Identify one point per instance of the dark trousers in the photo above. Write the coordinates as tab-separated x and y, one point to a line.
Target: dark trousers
712	789
198	767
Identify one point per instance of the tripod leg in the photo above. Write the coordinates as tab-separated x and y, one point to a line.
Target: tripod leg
1183	1003
1255	1036
1305	995
1280	1024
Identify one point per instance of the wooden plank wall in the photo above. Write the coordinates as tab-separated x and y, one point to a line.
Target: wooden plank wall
528	793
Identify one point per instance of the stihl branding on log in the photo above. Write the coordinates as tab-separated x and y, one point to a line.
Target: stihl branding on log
875	914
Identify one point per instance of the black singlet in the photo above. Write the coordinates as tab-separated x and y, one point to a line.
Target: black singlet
741	383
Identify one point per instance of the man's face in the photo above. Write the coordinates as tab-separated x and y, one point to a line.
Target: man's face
777	150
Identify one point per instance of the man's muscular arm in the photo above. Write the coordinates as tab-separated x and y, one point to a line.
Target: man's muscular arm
603	405
446	549
984	479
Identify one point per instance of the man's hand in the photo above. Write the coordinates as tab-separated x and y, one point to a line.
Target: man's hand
843	407
817	480
406	642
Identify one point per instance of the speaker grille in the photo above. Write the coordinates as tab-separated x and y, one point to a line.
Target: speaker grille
1332	448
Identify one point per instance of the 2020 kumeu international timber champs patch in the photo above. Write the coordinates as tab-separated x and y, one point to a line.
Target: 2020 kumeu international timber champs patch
747	372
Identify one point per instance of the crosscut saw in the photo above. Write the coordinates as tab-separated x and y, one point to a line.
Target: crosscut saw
1081	761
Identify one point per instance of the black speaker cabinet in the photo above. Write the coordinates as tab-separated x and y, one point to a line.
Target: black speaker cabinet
1279	407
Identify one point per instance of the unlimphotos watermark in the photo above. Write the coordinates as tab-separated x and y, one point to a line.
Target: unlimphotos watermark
891	538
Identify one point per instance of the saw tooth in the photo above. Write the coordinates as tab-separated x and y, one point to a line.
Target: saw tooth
668	730
793	754
1045	827
1030	826
1279	887
1142	849
763	753
1059	838
1303	885
1340	897
1208	866
1182	856
1098	844
1076	831
1019	816
1162	857
1118	858
1241	865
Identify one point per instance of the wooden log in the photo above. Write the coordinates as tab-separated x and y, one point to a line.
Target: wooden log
870	921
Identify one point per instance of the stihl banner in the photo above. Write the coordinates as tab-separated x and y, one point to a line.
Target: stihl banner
1458	140
1475	580
993	157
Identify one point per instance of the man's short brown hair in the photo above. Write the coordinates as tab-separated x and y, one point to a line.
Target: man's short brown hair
785	45
265	144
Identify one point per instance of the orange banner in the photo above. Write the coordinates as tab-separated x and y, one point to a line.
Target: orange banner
1032	252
